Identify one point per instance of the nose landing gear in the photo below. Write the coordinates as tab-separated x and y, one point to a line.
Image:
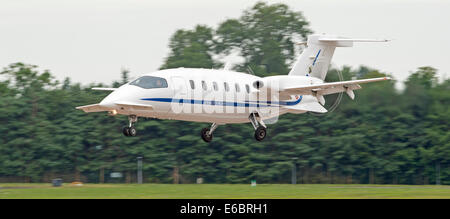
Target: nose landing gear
207	133
130	130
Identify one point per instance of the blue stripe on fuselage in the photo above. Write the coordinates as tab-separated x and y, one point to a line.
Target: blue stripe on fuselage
224	103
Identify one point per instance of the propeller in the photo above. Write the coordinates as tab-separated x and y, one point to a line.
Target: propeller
336	102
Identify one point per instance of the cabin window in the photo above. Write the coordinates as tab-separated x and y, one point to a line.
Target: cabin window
192	84
150	82
216	88
247	88
258	84
225	85
204	86
238	89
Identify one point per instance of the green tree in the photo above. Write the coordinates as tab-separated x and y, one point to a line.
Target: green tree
383	136
191	49
265	36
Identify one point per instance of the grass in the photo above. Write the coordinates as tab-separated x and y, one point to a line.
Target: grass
220	191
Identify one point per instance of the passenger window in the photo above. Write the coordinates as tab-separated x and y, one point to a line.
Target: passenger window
150	82
216	88
225	85
238	89
247	88
204	86
192	84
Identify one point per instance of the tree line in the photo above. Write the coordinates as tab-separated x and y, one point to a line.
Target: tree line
383	136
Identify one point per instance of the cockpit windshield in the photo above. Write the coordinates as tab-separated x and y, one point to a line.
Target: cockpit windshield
150	82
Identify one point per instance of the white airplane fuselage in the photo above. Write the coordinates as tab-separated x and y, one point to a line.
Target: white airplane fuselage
223	97
203	95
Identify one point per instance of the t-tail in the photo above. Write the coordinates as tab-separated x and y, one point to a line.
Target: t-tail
316	57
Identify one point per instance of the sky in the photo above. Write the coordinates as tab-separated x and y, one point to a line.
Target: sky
92	40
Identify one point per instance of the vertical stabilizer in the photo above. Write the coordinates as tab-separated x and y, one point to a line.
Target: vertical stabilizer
316	57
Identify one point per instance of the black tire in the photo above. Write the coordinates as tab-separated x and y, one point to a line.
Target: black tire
260	133
132	131
126	131
205	136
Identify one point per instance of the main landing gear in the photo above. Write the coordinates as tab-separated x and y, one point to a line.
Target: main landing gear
130	130
259	126
257	122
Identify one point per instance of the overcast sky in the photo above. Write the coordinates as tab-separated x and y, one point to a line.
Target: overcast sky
91	40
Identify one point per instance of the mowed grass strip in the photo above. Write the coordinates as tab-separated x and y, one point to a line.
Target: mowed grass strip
221	191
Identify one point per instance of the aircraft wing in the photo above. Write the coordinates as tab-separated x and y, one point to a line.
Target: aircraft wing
92	108
322	89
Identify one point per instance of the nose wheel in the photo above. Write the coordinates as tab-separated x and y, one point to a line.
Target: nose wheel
206	136
207	133
130	130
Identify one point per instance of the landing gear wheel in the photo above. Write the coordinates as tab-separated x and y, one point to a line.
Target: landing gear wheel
132	131
126	131
129	131
206	136
260	133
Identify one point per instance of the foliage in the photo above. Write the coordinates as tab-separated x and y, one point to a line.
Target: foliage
265	36
191	49
384	136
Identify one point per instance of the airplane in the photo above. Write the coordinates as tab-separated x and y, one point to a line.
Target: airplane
227	97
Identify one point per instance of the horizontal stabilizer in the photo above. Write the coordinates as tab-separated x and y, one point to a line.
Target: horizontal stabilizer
351	40
345	42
